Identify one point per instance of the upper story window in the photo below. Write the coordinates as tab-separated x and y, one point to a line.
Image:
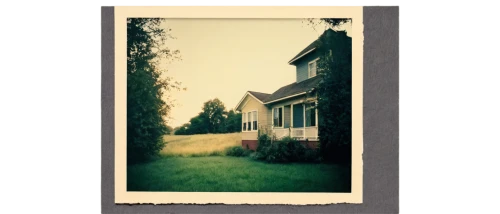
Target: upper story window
312	68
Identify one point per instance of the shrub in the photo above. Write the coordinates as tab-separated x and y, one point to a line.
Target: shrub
255	156
311	155
237	151
286	149
277	152
295	149
264	143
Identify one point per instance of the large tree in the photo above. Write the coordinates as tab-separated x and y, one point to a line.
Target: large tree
213	119
232	122
214	111
146	109
335	93
199	124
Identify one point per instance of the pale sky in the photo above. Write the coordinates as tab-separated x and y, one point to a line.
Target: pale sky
224	58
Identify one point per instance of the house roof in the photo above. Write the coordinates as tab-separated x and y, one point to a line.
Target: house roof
302	53
292	90
259	95
311	47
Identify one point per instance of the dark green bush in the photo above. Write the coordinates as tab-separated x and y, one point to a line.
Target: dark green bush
295	149
311	155
237	151
255	156
286	149
264	143
277	152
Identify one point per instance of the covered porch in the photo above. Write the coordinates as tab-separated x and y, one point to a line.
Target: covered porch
297	120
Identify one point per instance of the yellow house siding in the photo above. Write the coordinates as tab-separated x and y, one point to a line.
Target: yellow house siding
251	104
249	135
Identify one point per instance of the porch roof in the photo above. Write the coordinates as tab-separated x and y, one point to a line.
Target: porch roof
292	90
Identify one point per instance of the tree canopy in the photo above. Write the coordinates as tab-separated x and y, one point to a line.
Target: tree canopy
213	119
335	95
147	111
214	111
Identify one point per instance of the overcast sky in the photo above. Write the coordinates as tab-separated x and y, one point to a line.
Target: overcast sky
224	58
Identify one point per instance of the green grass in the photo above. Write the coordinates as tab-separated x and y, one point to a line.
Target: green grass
232	174
198	163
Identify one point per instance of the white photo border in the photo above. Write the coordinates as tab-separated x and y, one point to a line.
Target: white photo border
355	12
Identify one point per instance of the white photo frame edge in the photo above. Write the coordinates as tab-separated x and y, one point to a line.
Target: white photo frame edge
123	12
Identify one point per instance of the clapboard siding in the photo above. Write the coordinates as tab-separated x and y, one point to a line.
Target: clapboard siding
302	66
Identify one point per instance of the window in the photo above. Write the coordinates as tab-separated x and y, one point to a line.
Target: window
254	125
278	117
310	114
312	68
249	121
244	122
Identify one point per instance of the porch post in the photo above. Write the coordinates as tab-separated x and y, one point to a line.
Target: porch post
317	121
272	118
304	121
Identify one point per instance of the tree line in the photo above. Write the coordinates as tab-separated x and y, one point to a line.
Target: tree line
214	118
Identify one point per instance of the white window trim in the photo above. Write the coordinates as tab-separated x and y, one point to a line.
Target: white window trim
315	113
309	67
251	122
256	119
282	117
243	121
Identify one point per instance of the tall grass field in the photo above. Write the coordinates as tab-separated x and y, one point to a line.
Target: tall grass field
197	163
199	145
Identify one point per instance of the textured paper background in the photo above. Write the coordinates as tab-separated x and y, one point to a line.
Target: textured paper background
122	196
380	152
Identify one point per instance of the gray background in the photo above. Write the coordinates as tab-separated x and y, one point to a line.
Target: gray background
51	101
381	104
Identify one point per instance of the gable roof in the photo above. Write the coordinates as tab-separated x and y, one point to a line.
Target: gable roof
294	89
306	50
311	47
259	96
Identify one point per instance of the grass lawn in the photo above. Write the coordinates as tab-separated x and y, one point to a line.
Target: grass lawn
232	174
197	163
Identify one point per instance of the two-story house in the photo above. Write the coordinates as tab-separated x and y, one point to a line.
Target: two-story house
289	111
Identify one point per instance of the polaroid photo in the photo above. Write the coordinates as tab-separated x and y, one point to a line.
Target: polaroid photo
235	105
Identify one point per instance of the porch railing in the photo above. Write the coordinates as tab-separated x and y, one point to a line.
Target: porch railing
310	133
